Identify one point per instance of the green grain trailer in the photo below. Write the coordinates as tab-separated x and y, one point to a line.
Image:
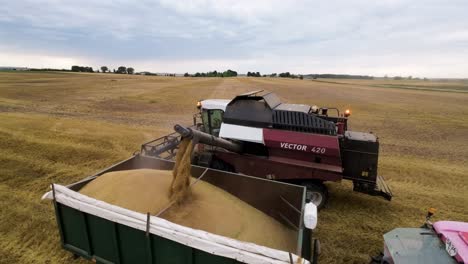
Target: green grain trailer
105	233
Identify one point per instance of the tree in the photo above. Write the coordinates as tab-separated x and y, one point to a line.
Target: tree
77	68
130	70
301	77
273	75
285	75
122	70
229	73
104	69
257	74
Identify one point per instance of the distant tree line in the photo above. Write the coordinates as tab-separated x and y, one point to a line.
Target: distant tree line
340	76
254	74
48	69
273	75
289	75
124	70
104	69
76	68
405	78
228	73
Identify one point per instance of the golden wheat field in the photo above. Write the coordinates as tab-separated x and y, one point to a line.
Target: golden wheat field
61	127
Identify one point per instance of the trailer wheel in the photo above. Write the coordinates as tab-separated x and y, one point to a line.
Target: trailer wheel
317	193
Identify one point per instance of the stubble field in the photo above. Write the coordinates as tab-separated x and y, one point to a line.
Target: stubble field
61	127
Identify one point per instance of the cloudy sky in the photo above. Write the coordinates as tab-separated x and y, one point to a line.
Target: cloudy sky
422	38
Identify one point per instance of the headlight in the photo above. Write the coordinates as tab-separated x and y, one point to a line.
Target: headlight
347	113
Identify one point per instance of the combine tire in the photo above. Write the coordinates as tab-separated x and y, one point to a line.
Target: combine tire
221	165
317	193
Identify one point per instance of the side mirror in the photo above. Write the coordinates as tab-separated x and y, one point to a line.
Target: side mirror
310	216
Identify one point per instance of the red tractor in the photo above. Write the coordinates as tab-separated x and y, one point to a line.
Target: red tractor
257	135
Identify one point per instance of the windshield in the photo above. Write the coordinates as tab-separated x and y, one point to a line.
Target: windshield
212	120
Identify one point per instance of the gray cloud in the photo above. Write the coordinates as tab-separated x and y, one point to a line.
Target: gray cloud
419	38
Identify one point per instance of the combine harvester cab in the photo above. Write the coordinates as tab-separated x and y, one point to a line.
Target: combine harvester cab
255	134
106	233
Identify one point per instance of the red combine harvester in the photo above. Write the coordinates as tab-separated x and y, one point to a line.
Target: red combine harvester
257	135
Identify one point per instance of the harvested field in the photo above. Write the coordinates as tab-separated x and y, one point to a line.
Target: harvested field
60	127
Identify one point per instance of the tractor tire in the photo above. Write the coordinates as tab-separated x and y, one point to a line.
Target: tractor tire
378	259
317	193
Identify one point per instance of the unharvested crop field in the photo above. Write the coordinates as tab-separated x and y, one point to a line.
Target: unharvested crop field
61	127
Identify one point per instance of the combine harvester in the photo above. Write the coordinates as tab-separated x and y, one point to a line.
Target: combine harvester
255	134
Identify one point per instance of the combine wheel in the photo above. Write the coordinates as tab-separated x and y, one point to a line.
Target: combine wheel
221	165
317	193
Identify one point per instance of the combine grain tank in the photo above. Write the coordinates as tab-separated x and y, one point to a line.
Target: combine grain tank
105	233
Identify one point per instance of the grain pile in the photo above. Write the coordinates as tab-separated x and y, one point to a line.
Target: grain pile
214	210
203	206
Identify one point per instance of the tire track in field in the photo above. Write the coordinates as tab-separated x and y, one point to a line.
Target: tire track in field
230	87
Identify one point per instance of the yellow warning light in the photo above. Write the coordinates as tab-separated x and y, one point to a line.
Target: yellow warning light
347	113
198	104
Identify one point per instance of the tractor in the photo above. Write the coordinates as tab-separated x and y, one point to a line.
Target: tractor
432	243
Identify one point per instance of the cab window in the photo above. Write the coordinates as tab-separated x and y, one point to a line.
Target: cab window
212	120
